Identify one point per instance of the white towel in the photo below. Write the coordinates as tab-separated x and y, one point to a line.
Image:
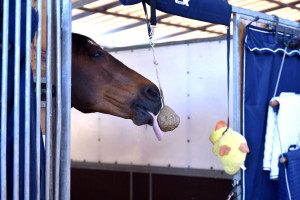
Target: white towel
283	130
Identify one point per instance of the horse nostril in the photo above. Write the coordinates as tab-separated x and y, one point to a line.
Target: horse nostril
152	93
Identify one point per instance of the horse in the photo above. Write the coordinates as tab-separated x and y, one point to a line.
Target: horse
101	83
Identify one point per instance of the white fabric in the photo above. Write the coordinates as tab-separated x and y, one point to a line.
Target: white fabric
283	130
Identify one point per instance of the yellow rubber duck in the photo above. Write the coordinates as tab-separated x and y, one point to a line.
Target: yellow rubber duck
230	147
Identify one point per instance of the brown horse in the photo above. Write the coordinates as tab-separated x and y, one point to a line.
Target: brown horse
101	83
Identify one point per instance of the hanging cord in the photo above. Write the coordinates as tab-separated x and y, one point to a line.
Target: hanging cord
228	76
285	168
276	87
280	70
157	74
282	62
151	25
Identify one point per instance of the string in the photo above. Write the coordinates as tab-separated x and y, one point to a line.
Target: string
276	87
157	74
228	76
280	70
151	27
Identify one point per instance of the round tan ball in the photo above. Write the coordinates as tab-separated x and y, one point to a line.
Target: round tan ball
167	119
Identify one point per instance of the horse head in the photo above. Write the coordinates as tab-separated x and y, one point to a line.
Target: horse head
101	83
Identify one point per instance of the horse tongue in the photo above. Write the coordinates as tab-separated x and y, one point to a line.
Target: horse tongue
156	128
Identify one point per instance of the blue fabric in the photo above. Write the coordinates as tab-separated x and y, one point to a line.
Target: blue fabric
261	67
214	11
293	175
10	109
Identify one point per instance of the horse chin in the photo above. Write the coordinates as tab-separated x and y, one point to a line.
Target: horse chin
141	110
142	118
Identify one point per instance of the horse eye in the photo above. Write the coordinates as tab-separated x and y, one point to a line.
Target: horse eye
98	55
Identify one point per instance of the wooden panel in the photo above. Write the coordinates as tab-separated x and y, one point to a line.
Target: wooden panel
112	185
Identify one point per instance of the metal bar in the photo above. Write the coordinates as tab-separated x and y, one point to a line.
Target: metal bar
236	84
58	99
263	16
66	100
4	98
131	185
236	75
27	102
284	5
205	173
38	96
150	186
48	102
80	3
17	100
100	8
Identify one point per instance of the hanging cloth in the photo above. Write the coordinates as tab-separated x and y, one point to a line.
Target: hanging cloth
283	130
261	64
216	11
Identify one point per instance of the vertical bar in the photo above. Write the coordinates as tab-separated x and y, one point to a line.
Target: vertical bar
58	99
236	75
17	100
4	98
131	185
27	101
66	99
237	85
150	186
38	97
48	102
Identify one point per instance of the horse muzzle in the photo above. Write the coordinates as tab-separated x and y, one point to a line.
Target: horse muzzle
141	109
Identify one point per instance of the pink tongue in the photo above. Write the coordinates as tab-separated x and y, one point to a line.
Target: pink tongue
156	128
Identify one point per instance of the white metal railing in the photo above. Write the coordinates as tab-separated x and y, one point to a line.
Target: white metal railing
57	145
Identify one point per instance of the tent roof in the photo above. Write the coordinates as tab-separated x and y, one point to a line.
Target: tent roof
111	24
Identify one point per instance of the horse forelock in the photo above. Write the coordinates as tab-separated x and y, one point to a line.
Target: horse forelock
81	42
92	42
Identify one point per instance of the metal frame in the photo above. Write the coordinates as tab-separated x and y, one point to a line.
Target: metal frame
239	13
58	171
17	100
38	92
65	173
4	98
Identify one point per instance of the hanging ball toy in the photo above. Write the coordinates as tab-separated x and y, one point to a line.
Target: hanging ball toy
167	119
